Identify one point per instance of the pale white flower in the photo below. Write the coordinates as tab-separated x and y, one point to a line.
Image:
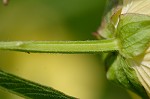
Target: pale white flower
142	67
136	6
141	64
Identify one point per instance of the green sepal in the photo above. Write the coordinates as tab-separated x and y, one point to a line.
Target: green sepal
133	34
107	31
112	13
122	74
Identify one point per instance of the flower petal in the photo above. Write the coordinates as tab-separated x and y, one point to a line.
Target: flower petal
142	68
136	6
143	77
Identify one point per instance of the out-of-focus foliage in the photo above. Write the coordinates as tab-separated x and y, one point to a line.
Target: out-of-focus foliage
81	76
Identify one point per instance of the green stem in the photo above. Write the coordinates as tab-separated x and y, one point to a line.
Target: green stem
94	46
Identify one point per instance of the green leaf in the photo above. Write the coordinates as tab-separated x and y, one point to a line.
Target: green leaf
29	89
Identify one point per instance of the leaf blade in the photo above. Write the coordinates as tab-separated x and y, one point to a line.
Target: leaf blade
29	89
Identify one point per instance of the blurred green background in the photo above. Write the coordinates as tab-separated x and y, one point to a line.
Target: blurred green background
83	75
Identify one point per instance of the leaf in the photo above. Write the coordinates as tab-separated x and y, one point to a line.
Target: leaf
29	89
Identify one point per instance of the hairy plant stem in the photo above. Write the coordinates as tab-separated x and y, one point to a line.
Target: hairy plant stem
94	46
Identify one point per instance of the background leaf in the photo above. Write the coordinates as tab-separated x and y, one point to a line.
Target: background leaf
29	89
